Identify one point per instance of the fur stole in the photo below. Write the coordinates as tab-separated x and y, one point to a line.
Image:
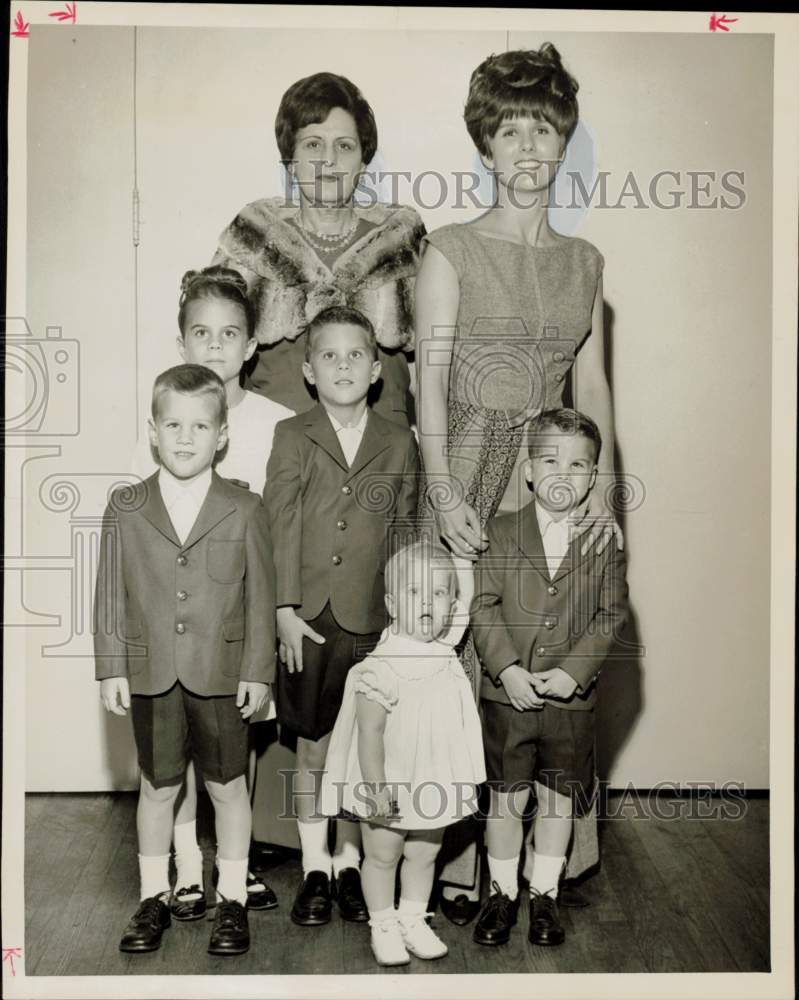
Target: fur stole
289	284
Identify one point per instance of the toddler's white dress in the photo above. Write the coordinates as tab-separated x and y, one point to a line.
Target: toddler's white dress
433	740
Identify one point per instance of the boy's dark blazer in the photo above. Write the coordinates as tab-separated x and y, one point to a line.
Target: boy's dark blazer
330	522
519	614
203	612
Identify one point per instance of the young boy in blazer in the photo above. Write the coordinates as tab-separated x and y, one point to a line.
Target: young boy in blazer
544	619
185	640
340	478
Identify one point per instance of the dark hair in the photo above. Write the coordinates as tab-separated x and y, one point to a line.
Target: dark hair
568	421
520	84
190	380
215	283
311	100
340	314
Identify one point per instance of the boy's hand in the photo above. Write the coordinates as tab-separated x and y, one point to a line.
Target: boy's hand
251	697
115	695
290	630
520	688
380	803
554	683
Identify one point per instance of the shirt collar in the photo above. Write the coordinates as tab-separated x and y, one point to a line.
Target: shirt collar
359	427
172	488
546	520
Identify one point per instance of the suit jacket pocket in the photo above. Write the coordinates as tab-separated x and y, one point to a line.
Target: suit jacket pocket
233	634
137	654
226	560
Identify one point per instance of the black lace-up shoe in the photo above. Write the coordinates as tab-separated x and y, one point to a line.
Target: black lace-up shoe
230	934
146	926
349	896
545	925
313	904
497	919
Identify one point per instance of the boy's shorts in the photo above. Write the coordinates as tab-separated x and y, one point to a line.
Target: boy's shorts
308	701
176	726
553	746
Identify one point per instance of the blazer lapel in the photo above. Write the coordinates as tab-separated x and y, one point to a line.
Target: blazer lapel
319	429
372	444
216	507
573	557
154	510
530	544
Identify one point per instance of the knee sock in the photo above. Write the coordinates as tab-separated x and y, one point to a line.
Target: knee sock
233	879
154	875
188	856
505	874
313	841
546	874
347	853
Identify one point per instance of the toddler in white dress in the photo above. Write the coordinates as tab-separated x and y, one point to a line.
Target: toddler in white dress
406	752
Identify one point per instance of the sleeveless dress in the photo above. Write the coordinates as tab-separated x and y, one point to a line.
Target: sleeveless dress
523	313
433	758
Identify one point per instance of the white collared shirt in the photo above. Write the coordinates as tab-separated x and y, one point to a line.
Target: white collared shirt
183	502
557	535
350	437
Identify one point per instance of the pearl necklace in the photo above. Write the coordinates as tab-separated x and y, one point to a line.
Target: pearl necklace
333	241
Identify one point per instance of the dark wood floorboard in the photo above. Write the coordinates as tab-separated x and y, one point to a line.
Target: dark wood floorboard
671	895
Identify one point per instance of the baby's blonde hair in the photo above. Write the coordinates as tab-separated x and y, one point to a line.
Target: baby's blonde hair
423	552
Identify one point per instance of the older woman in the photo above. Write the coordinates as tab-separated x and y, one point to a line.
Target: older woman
299	257
325	249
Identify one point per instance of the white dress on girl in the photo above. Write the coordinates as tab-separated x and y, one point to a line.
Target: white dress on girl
433	740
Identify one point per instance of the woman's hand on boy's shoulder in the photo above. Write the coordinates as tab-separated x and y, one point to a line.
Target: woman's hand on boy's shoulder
599	525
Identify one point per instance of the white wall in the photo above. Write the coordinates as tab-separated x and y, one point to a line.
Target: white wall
688	295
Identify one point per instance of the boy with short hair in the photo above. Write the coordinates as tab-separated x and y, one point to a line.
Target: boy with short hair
338	478
544	619
184	619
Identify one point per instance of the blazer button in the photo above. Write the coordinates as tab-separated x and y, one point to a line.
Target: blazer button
182	560
180	628
341	525
336	560
541	651
552	589
558	356
549	623
182	595
346	490
558	376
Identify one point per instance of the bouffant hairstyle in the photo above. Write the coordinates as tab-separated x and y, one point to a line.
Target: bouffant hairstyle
190	380
311	100
521	84
215	283
569	422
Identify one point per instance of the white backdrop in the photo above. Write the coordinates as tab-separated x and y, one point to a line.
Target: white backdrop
688	296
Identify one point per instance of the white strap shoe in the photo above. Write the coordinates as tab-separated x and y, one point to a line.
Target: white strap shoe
419	937
387	944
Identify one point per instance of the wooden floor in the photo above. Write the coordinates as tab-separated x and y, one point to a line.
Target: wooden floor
672	895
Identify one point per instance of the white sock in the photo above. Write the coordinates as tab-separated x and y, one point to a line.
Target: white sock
375	916
188	856
505	874
313	842
154	875
411	907
546	873
233	879
347	853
